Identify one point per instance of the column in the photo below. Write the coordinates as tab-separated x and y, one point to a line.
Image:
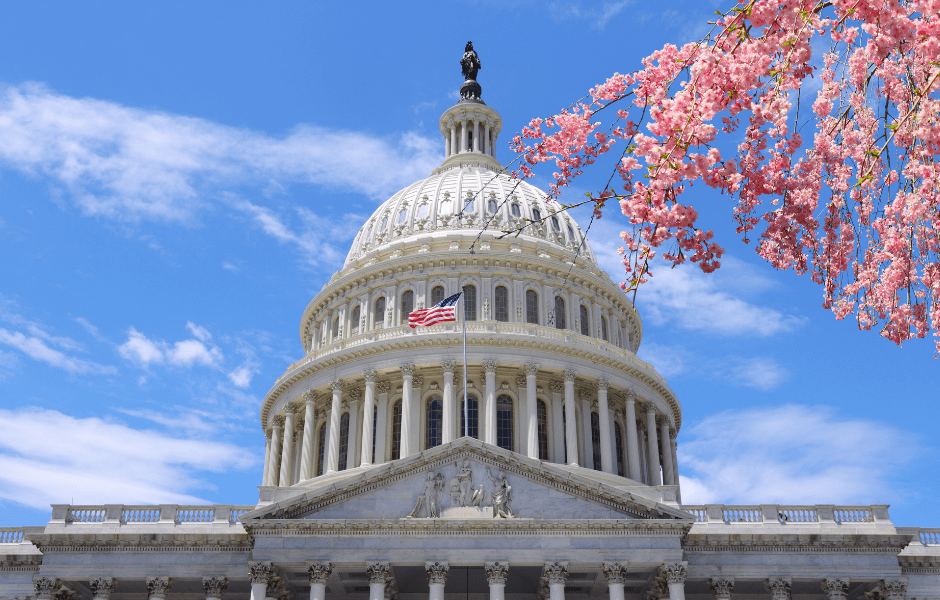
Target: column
332	453
453	139
588	435
476	136
407	374
437	577
557	574
308	452
368	414
779	588
266	474
101	587
486	138
893	589
666	443
489	420
46	588
675	576
463	136
532	412
603	415
571	431
448	420
446	145
157	587
277	429
381	422
319	572
496	573
287	447
652	447
378	576
675	464
833	587
641	426
259	573
721	587
558	423
214	587
633	446
493	144
353	441
616	574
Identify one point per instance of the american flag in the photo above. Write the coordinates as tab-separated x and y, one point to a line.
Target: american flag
442	312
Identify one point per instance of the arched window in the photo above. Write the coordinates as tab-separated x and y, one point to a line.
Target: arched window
596	440
585	330
536	216
504	422
354	324
437	294
543	431
343	441
379	316
396	431
470	302
422	211
604	328
474	421
385	222
531	307
559	312
407	305
502	303
402	215
491	206
514	209
570	233
555	225
435	421
375	425
618	443
335	329
321	444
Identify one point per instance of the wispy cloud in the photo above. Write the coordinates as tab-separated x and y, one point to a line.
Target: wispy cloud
130	164
144	351
756	372
597	15
792	454
103	462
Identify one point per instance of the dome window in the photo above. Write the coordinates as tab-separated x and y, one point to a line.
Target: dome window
407	305
402	215
555	225
516	212
385	222
536	215
502	303
422	211
492	206
570	233
437	294
367	232
445	205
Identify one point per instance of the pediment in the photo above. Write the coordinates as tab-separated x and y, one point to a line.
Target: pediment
465	480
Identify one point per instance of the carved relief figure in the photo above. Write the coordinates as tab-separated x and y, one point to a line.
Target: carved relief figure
465	481
479	497
502	495
433	493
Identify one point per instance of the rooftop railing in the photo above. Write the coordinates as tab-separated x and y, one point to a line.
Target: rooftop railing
122	514
11	535
786	514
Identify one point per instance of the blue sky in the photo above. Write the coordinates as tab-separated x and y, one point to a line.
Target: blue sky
177	180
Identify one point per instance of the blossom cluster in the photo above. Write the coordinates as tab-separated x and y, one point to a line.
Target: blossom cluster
853	201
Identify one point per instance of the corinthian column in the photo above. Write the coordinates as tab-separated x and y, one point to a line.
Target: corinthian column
101	587
266	475
571	425
287	452
318	572
721	587
407	374
633	445
835	588
437	577
276	429
616	574
557	574
603	419
214	587
381	422
448	422
675	576
307	449
893	589
532	412
378	577
779	588
368	414
353	434
157	587
259	573
46	588
665	440
655	478
489	419
496	576
332	454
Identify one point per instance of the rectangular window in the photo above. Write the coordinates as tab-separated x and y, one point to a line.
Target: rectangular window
396	431
531	307
504	422
474	421
502	304
470	302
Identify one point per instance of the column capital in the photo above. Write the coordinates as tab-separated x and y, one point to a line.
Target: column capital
556	572
319	571
383	387
407	370
437	572
779	588
556	387
46	588
489	366
603	384
278	421
674	572
293	408
449	366
520	381
369	375
629	396
569	375
214	586
496	572
378	572
157	587
893	589
101	587
260	572
531	369
310	397
835	588
721	587
650	408
615	572
662	420
337	385
354	395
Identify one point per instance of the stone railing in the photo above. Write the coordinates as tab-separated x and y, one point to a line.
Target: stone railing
786	514
930	537
121	514
11	535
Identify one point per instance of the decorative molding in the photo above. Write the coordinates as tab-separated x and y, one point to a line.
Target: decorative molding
437	572
337	385
45	588
407	370
383	387
602	384
496	572
721	587
557	387
615	572
275	587
674	573
531	370
157	587
489	366
893	589
310	397
278	421
520	381
449	366
319	572
369	375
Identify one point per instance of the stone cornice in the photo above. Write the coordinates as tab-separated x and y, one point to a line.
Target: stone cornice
775	542
500	527
163	542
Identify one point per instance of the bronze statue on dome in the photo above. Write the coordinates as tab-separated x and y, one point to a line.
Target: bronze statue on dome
470	63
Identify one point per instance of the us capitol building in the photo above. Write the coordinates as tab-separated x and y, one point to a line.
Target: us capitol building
566	487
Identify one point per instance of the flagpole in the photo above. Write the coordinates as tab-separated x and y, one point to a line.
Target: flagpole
466	399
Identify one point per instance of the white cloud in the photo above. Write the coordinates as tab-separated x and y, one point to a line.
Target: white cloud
90	328
597	15
143	351
37	349
131	164
243	373
757	372
792	454
103	462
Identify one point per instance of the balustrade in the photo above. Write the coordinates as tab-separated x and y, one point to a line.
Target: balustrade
11	535
788	514
148	515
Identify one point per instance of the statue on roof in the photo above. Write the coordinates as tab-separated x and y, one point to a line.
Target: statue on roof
470	63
